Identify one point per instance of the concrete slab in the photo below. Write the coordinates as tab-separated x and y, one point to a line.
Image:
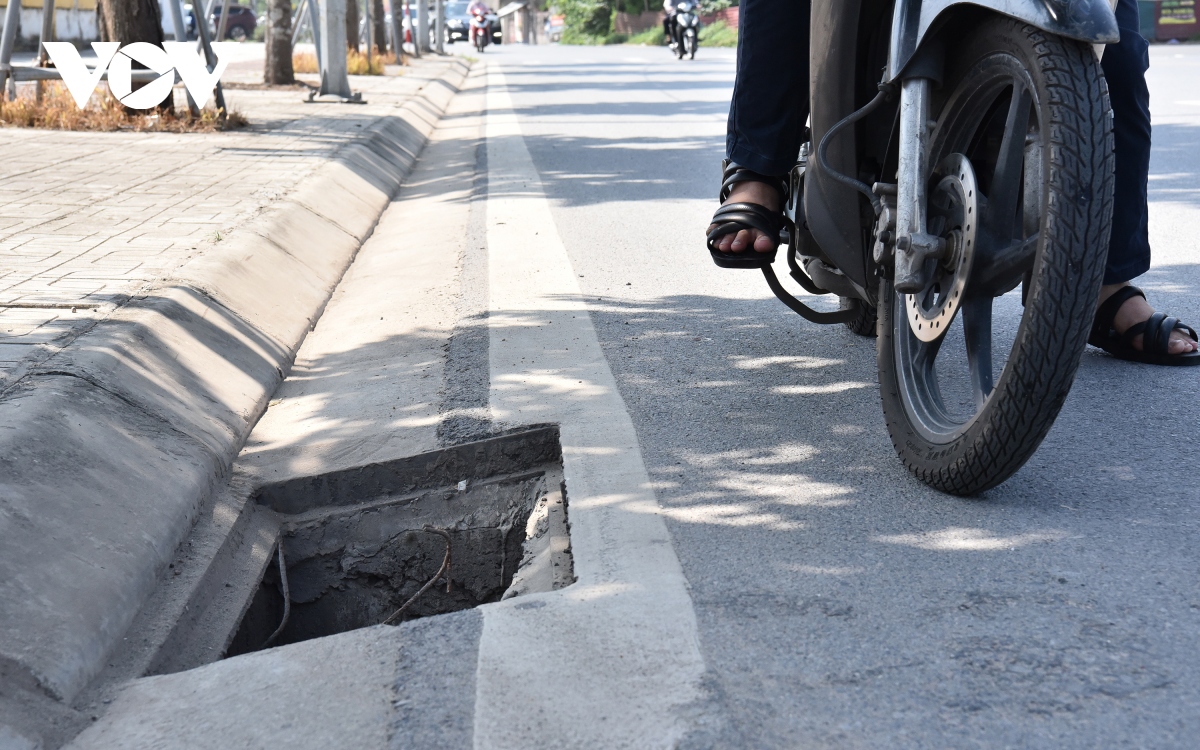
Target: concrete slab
324	693
191	362
409	686
96	495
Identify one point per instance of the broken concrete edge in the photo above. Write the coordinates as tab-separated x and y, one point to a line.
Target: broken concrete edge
199	625
502	453
109	448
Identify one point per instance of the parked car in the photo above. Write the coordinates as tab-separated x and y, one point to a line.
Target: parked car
241	23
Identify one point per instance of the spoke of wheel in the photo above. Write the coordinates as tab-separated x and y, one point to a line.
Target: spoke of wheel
977	328
1005	187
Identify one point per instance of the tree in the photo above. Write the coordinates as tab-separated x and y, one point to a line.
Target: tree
352	24
278	68
378	21
586	21
129	21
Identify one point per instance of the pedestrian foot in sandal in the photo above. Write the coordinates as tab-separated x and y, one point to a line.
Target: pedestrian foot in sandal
1127	327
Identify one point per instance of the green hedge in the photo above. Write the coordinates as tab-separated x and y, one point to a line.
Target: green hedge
586	21
650	37
718	35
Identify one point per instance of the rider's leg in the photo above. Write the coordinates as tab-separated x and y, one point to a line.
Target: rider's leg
1125	66
770	105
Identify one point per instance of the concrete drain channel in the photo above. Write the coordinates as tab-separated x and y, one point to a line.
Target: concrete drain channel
360	544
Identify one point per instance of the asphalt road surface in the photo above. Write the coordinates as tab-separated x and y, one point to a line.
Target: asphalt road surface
841	603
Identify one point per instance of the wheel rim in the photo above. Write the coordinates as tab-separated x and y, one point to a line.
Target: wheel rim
993	121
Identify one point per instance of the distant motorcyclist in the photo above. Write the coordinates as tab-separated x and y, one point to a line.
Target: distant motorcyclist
478	12
669	21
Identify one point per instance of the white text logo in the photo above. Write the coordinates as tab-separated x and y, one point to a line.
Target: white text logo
178	57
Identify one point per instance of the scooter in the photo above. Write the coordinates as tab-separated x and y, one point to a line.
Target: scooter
687	30
481	31
960	206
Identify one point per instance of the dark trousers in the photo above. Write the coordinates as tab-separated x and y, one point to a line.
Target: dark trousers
770	107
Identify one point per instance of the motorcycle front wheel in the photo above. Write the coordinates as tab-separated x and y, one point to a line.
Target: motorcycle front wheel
690	37
974	370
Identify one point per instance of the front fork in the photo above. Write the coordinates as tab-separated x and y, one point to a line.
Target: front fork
902	228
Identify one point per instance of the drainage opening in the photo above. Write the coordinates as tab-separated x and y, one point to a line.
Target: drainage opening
359	545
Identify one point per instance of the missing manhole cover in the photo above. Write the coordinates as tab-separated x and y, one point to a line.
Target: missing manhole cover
357	543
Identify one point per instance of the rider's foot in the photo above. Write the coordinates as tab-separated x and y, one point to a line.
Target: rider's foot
750	192
1137	310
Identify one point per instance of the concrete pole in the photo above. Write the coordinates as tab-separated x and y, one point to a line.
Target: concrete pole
12	17
367	19
397	29
422	40
334	79
47	31
314	23
205	43
412	28
47	36
177	21
224	25
439	27
180	27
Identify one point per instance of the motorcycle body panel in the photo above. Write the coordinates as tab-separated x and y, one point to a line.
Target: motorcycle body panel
1086	20
831	210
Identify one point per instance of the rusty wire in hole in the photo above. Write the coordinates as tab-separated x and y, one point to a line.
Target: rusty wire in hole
444	569
287	597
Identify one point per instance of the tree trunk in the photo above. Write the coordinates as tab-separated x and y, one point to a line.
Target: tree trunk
278	68
380	23
352	24
129	21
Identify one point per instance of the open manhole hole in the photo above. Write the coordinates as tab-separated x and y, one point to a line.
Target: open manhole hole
360	544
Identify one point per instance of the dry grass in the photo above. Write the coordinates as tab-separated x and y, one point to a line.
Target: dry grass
58	111
356	62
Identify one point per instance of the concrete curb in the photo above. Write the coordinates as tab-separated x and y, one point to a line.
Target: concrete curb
109	448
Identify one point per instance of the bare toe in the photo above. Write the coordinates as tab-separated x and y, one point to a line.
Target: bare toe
763	243
1181	343
741	241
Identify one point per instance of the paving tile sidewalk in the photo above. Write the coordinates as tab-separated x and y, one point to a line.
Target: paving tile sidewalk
89	220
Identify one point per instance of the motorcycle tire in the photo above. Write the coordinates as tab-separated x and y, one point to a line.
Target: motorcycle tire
867	320
1063	187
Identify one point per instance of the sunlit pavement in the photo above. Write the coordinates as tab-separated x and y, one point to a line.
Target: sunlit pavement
841	603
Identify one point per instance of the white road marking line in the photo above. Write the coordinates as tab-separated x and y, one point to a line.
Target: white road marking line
610	661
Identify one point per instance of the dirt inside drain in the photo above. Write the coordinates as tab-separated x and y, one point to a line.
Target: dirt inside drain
360	544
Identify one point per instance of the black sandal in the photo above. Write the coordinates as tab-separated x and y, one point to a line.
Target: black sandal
1155	333
732	218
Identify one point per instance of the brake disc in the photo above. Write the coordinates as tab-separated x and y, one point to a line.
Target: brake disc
955	202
